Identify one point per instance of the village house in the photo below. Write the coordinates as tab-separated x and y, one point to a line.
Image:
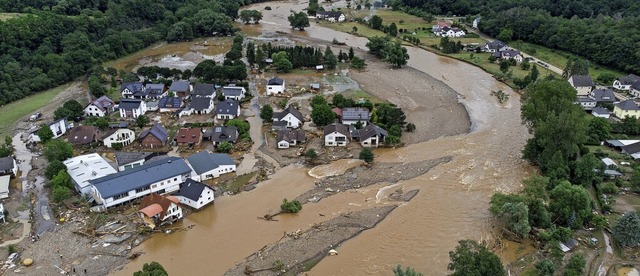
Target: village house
152	91
204	90
8	166
289	118
4	190
336	135
132	108
450	32
221	134
85	168
372	136
475	23
353	115
152	106
170	104
156	210
331	16
605	95
129	89
289	137
201	105
160	177
624	83
601	112
154	137
626	108
234	93
181	88
440	25
127	160
122	136
635	89
495	46
58	127
587	103
83	135
631	149
207	165
227	110
100	107
194	194
509	54
583	84
275	86
188	137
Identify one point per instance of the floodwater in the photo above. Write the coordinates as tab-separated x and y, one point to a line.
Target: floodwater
628	271
337	167
452	203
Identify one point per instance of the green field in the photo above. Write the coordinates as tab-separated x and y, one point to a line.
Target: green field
482	60
11	113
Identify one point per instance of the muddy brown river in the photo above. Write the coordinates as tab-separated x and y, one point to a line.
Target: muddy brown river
452	203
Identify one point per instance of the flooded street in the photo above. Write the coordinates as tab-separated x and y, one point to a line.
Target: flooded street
451	205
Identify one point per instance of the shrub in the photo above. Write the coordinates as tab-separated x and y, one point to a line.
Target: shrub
293	206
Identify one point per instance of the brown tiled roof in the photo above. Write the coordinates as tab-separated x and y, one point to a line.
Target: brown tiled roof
189	135
83	135
154	204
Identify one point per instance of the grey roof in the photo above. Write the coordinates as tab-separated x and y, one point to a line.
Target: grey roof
203	89
104	103
340	128
170	102
232	90
151	89
224	134
332	14
355	113
600	110
132	86
629	79
205	161
139	177
603	95
129	104
124	157
495	45
119	125
507	54
631	149
582	80
180	86
291	135
275	81
227	107
191	189
612	173
156	130
372	130
636	85
628	105
6	163
355	133
585	99
296	113
201	103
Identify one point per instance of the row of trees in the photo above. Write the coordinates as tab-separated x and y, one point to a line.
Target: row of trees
391	51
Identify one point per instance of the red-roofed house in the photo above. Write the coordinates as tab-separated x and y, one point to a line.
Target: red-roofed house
159	210
189	137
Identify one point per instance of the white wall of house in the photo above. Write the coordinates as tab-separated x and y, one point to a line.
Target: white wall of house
225	116
126	93
605	115
283	144
93	111
59	128
634	92
141	110
275	89
626	113
206	197
335	139
583	90
220	170
169	185
131	165
371	142
174	211
354	122
292	121
618	85
123	136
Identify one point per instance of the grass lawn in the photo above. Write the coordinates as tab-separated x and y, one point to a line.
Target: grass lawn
559	58
410	22
12	112
347	27
7	15
359	94
236	184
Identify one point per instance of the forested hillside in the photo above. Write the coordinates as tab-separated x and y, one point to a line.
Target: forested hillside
55	41
602	31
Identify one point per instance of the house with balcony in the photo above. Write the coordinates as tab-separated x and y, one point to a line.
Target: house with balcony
227	110
132	108
129	89
121	136
336	135
624	83
100	107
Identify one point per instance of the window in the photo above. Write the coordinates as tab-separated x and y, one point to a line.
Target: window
116	197
175	179
140	190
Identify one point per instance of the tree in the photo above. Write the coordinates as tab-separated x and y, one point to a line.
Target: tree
505	35
251	53
396	54
525	65
367	155
410	127
357	63
322	115
393	29
266	113
142	121
626	231
545	267
408	272
376	22
354	29
58	150
281	62
351	53
298	20
599	130
330	59
311	154
53	168
473	259
151	269
570	204
60	193
45	133
293	206
534	73
320	100
224	147
575	266
63	179
586	170
248	16
492	58
377	45
504	66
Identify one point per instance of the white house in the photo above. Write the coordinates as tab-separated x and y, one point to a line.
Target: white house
451	32
275	86
85	168
476	22
587	103
353	115
372	136
130	108
331	16
122	136
161	177
234	92
4	186
624	83
291	116
127	160
336	135
583	84
509	54
201	105
494	46
207	165
601	112
59	128
227	110
289	137
99	107
129	89
634	89
156	210
8	165
194	194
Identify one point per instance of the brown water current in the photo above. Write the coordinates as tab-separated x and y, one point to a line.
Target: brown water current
452	203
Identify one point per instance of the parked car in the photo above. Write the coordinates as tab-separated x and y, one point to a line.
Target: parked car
35	116
13	257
